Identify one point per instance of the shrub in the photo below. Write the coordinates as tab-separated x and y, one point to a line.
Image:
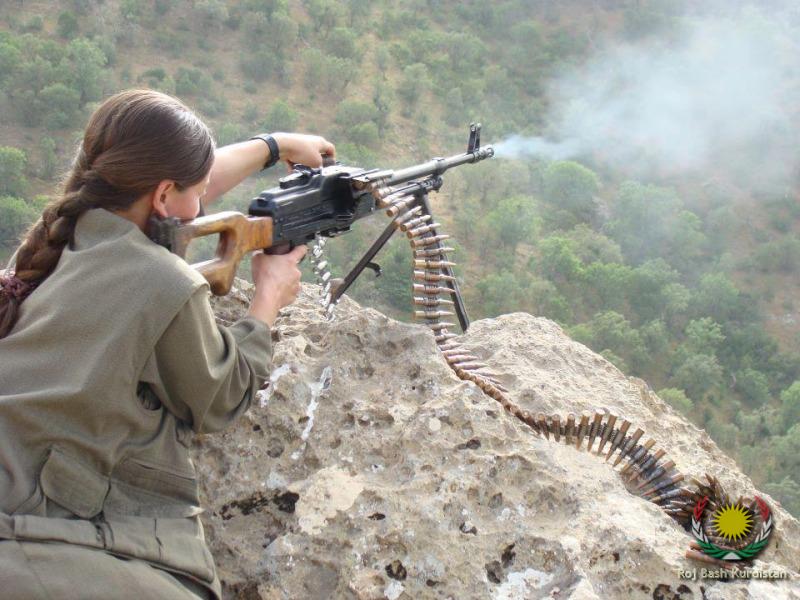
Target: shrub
67	25
15	217
281	117
12	170
189	82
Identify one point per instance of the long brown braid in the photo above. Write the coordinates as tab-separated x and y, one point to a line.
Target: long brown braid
133	141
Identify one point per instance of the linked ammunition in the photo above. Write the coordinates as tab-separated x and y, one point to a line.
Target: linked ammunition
607	433
615	443
414	222
570	430
406	216
629	446
431	290
433	264
428	241
596	424
638	455
678	493
556	427
435	277
583	429
432	314
399	206
657	473
650	490
418	231
471	366
459	358
419	301
542	420
428	252
449	346
444	337
440	325
650	463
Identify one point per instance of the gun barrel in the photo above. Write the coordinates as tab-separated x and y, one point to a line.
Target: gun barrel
436	166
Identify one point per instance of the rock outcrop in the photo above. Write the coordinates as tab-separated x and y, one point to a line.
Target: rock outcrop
368	470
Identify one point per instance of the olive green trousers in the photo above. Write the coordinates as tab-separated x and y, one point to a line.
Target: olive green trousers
44	571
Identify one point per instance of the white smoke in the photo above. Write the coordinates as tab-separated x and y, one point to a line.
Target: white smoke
719	95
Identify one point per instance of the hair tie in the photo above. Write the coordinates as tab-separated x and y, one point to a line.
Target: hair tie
13	287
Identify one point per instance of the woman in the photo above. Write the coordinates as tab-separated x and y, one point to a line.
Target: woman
110	359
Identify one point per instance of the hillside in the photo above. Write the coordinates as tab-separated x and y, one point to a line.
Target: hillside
683	277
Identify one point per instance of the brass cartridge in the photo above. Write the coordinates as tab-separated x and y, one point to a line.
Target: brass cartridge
429	241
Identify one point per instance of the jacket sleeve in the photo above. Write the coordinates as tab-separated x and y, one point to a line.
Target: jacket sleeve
207	374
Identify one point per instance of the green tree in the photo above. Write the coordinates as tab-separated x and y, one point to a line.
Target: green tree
677	399
326	74
49	160
787	492
343	42
558	260
15	217
718	297
85	66
413	84
324	15
779	255
280	117
649	222
790	404
67	25
350	113
513	221
282	33
63	106
592	246
612	331
12	170
10	58
570	188
753	387
703	336
503	292
190	82
698	374
605	286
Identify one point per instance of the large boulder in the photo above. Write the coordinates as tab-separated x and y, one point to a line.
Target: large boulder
368	470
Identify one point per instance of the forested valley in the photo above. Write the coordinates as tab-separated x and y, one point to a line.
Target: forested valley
680	267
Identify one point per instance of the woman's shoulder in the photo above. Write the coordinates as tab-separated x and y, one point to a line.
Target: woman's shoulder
108	239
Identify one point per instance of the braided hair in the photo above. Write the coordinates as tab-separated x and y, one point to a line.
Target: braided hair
133	141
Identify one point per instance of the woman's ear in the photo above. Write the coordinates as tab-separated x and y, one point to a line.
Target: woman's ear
159	198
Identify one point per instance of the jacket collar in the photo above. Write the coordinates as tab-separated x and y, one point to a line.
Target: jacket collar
98	225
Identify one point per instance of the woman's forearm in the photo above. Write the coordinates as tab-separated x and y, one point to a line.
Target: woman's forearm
233	164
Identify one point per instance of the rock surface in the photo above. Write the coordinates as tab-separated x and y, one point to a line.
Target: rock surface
368	470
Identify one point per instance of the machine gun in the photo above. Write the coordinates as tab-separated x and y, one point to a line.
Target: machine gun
313	204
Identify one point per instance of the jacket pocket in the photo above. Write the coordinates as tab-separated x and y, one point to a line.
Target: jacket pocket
72	484
140	488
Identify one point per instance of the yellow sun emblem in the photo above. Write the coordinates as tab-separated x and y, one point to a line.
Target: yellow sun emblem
733	522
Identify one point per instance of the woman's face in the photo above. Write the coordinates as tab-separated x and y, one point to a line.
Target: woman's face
184	204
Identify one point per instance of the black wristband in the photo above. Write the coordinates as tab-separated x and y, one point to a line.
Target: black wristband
274	153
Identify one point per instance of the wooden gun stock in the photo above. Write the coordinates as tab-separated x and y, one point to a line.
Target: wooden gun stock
238	235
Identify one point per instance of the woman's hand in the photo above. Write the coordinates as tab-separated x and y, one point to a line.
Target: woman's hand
304	149
277	280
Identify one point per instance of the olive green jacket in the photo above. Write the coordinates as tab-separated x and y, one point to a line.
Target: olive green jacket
114	362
